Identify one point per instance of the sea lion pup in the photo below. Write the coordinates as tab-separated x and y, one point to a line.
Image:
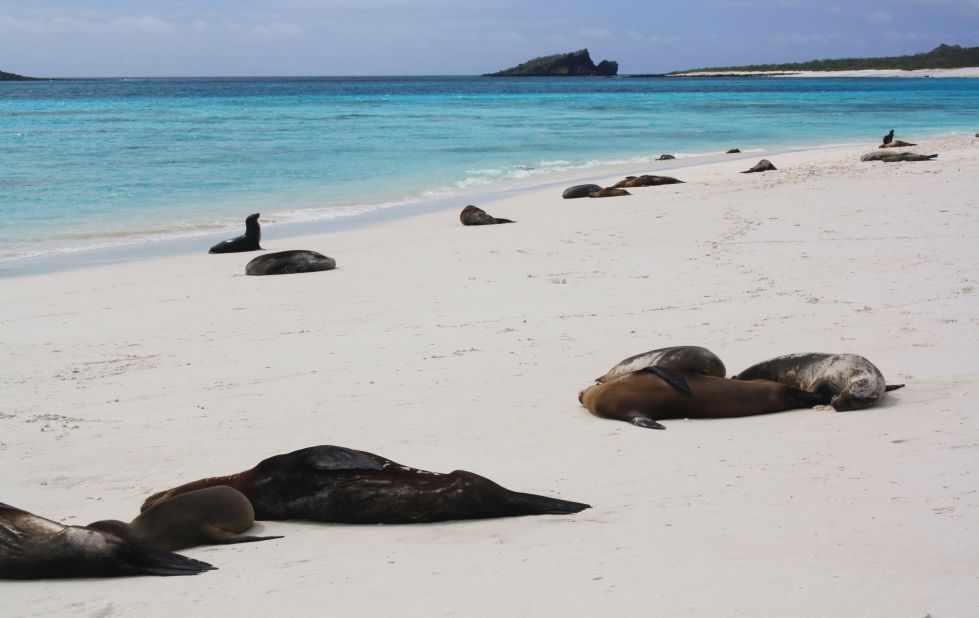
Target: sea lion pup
646	180
341	485
897	144
683	358
644	396
609	192
247	242
289	262
894	157
471	215
888	138
762	166
852	380
32	547
209	516
579	191
733	151
665	157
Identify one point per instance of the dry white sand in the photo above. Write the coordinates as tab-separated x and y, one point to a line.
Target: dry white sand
444	347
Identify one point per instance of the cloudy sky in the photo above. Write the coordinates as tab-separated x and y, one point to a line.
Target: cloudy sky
61	38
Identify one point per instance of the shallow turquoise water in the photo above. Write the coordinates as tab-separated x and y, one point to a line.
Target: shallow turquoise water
96	163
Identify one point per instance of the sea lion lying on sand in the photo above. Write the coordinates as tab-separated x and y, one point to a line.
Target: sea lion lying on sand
471	215
646	180
897	144
289	262
579	191
665	157
683	358
852	380
247	242
762	166
336	484
893	157
609	192
643	396
733	151
32	547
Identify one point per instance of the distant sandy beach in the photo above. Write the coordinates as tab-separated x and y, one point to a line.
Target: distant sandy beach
446	347
963	72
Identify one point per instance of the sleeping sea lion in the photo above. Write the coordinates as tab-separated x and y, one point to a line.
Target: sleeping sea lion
579	191
247	242
336	484
683	358
852	380
289	262
32	547
665	157
646	180
609	192
209	516
897	144
894	157
762	166
472	215
733	151
644	396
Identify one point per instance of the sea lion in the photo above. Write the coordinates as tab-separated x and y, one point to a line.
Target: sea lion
609	192
32	547
579	191
665	157
762	166
336	484
733	151
894	157
247	242
683	358
209	516
646	180
852	380
289	262
644	396
897	144
471	215
889	137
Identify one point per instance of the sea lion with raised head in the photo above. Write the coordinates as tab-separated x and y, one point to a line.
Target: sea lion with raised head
473	215
762	166
682	358
852	380
579	191
289	262
646	180
888	138
645	396
32	547
341	485
209	516
247	242
894	157
609	192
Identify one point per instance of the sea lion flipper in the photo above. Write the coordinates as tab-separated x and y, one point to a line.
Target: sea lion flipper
893	387
673	378
646	422
223	537
146	560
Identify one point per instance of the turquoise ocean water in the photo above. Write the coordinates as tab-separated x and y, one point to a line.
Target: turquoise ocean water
94	164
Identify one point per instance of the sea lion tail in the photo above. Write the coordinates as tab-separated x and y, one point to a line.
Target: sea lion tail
893	387
532	504
144	560
809	400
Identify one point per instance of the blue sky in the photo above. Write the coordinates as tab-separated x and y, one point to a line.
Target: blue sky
456	37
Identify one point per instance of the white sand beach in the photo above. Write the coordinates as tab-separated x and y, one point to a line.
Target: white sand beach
446	347
961	72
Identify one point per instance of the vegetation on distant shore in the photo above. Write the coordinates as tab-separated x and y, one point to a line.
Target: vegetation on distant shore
10	77
942	57
577	63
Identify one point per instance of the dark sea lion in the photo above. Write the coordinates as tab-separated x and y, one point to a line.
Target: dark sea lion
733	151
665	157
579	191
646	180
209	516
336	484
897	144
762	166
894	157
852	380
472	215
683	358
609	192
889	137
248	242
32	547
644	396
289	262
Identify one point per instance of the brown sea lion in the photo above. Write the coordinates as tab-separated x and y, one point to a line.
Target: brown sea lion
646	180
32	547
897	144
852	380
248	242
644	396
609	192
894	157
683	358
472	215
762	166
209	516
579	191
336	484
289	262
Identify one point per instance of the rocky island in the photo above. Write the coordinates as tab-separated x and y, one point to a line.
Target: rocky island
10	77
574	64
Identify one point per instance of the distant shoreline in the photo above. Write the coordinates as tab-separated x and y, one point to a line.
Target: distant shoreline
964	72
